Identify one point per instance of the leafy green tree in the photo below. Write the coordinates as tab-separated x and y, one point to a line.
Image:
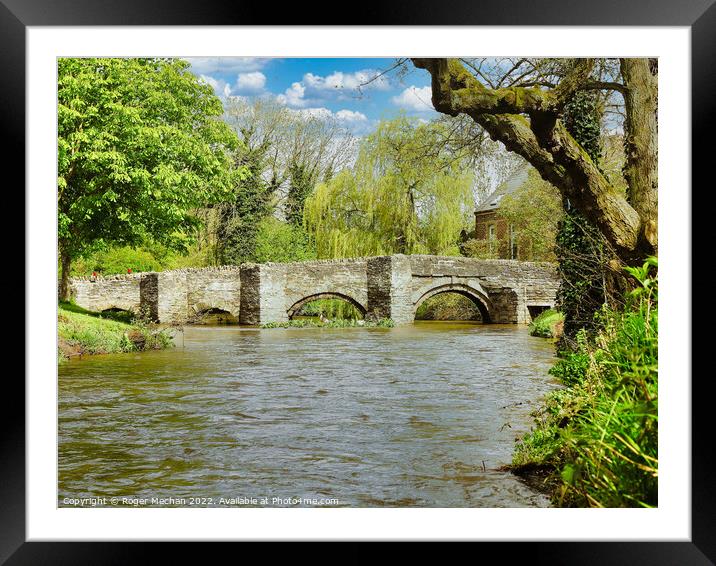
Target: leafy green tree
407	193
251	202
140	145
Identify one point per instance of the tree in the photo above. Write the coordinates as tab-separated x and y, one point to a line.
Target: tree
527	120
302	147
140	144
408	192
251	202
302	179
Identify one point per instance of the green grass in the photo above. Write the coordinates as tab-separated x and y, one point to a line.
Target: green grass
119	316
598	435
86	332
544	325
338	323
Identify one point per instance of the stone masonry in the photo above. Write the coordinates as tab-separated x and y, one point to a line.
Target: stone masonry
380	287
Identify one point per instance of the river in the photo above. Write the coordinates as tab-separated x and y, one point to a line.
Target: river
416	416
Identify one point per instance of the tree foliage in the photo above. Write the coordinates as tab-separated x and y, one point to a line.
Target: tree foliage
282	242
251	201
302	147
140	145
407	193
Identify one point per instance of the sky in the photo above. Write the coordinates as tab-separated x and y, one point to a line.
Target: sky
323	86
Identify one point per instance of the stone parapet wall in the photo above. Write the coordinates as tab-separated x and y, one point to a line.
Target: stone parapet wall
121	292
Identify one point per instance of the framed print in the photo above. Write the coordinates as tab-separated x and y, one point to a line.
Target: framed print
333	238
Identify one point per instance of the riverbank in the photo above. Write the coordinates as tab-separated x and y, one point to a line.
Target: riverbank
82	332
595	440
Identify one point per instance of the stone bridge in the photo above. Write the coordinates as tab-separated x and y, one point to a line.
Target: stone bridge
505	291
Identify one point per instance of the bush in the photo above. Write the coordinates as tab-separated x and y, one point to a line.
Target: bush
336	309
345	323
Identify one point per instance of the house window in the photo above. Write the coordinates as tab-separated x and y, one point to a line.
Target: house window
491	235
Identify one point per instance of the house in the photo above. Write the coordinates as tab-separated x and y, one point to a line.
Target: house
490	227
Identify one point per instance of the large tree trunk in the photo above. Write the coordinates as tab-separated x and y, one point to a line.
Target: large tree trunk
527	121
66	264
641	143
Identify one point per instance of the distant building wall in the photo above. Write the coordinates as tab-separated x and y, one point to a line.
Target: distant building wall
483	220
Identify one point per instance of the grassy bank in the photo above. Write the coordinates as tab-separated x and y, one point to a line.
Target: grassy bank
338	323
547	325
82	332
595	441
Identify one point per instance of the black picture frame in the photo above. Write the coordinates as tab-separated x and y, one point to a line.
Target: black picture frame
699	15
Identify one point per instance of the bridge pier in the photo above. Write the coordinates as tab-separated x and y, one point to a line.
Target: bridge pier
388	279
262	294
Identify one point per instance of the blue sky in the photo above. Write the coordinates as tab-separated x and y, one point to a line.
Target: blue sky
323	86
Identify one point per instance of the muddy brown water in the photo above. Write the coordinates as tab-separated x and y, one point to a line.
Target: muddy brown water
418	416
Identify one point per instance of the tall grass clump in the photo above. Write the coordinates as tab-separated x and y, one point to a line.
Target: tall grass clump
598	435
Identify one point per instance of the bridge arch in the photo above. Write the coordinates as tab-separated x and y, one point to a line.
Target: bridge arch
296	307
481	301
214	315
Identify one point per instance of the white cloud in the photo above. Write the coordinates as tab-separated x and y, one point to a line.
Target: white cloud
246	84
313	90
350	116
415	98
293	96
353	121
221	87
367	78
227	65
250	83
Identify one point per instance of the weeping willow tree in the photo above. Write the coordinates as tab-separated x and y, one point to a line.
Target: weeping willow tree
408	192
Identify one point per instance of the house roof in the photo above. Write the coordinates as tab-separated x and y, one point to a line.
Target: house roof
511	184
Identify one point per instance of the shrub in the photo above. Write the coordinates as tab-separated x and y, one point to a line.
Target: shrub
339	323
282	242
